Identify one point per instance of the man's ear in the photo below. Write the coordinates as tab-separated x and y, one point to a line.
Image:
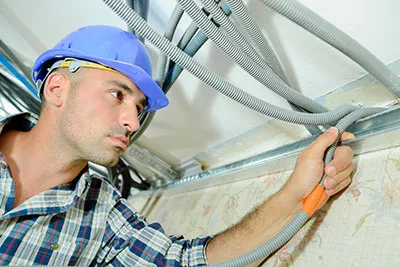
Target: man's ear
55	88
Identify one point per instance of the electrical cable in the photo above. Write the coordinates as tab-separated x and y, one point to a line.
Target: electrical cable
217	82
191	49
343	116
321	28
268	61
160	70
264	75
169	33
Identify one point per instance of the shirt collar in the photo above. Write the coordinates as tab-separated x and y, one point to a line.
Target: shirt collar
61	197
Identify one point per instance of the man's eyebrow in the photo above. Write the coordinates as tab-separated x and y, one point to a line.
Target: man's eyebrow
143	100
120	85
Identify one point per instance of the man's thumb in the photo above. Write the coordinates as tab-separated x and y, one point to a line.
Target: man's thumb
323	141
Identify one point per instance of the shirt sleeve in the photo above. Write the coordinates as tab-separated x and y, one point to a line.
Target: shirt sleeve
130	241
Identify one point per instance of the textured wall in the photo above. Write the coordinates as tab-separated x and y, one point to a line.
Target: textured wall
361	227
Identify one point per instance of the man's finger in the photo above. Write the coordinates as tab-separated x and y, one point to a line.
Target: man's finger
341	159
332	181
323	141
347	136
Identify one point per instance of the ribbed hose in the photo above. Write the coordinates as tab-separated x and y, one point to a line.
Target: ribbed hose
186	38
343	124
348	113
256	37
188	35
270	246
265	76
191	49
215	81
169	33
142	8
18	75
160	70
301	217
242	42
222	19
338	39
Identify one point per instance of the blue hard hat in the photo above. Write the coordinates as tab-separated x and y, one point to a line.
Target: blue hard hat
110	46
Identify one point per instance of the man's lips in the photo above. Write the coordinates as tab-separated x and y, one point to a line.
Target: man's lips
121	141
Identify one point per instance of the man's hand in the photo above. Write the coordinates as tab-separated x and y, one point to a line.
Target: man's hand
310	167
276	212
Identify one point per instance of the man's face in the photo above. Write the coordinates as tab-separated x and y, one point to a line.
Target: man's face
100	115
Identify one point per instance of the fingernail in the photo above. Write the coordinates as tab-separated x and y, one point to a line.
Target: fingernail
348	136
332	130
331	170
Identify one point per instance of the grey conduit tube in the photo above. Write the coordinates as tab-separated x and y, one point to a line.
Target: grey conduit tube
338	39
256	37
217	82
198	41
213	80
301	217
142	8
169	33
190	48
265	76
187	36
160	71
189	33
222	19
241	41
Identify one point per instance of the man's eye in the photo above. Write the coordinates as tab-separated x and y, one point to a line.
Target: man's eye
118	95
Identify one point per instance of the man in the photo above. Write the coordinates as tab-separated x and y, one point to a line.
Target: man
93	85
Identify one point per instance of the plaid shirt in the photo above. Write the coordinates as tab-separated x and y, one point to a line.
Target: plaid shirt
83	223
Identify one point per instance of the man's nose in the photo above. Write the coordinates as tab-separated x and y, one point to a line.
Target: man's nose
130	119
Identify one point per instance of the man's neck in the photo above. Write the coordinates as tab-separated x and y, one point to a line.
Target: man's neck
37	162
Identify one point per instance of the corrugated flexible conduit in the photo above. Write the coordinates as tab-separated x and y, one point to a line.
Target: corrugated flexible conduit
347	114
196	42
269	61
308	209
264	75
173	22
217	82
321	28
256	37
169	33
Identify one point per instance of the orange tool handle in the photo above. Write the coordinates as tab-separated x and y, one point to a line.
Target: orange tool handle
314	200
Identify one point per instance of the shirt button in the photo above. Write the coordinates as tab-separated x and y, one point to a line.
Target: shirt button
55	246
3	165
